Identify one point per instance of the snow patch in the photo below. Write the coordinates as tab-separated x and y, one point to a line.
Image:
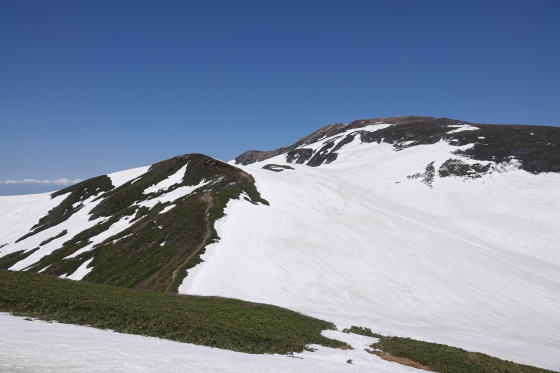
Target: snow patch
18	217
113	230
319	144
167	208
81	272
165	184
78	222
462	127
173	195
122	177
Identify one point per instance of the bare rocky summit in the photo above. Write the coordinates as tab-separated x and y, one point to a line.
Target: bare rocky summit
536	148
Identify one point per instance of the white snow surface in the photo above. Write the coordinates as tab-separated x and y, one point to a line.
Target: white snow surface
81	271
168	182
39	346
122	177
472	263
116	228
78	222
320	143
174	194
469	263
462	127
19	213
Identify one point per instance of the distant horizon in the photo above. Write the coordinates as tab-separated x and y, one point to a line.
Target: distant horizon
94	87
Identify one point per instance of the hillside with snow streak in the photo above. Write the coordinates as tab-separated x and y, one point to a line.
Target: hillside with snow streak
139	228
428	228
372	239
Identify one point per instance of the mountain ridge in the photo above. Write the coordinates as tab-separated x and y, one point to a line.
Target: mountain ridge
131	215
425	227
536	147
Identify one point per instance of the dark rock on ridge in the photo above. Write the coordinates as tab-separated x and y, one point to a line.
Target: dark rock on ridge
536	148
253	156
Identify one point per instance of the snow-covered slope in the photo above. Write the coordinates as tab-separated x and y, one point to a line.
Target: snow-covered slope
428	228
136	228
471	262
38	346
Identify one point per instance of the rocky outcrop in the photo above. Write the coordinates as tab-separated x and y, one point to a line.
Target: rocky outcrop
253	156
535	148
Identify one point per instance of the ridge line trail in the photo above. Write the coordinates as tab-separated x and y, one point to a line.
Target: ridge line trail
208	198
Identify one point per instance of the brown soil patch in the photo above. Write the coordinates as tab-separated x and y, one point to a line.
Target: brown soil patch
400	360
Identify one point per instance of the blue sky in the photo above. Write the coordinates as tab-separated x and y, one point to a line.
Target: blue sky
92	87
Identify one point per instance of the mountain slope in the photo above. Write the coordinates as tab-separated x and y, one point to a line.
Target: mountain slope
372	238
537	148
430	228
142	228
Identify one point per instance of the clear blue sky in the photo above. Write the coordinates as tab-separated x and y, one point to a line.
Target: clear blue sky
92	87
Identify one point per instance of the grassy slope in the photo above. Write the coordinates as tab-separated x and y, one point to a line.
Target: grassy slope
211	321
442	358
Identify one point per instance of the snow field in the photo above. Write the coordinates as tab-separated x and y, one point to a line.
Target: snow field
19	213
358	243
39	346
471	263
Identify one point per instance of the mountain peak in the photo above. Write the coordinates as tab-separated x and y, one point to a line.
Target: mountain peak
535	148
415	226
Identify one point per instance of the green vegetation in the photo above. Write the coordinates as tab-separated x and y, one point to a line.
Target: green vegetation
146	255
9	260
76	194
63	233
362	331
211	321
156	251
445	359
441	358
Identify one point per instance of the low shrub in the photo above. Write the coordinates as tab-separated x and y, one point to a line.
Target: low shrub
211	321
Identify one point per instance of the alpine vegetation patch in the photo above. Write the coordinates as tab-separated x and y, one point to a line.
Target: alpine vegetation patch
210	321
